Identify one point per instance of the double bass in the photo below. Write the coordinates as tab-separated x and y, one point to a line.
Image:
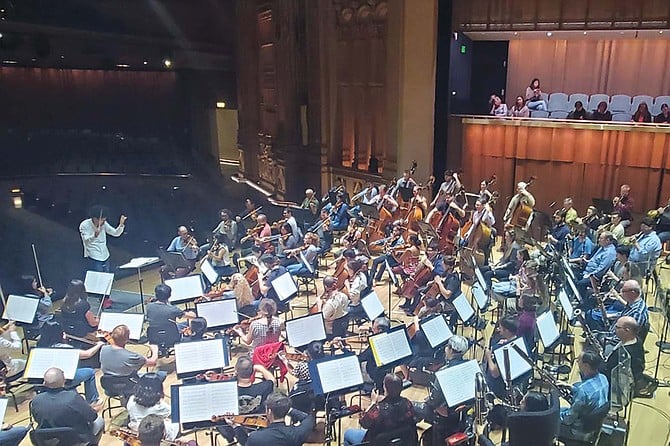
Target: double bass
522	212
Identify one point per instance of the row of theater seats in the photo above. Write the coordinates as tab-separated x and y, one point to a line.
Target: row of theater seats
621	106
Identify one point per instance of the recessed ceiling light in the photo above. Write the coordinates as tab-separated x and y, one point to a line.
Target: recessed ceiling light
660	32
584	32
145	62
167	63
62	57
549	34
516	33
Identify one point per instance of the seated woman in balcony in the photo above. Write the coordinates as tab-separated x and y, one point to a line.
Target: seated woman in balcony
534	99
642	114
601	113
579	112
664	116
519	109
498	107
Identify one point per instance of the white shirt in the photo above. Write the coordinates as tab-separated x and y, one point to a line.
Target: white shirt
96	247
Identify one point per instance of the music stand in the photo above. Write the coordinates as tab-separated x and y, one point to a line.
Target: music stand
221	313
21	309
194	405
139	263
196	357
300	331
42	359
436	330
185	289
369	211
427	231
174	260
604	205
390	348
394	280
372	305
457	382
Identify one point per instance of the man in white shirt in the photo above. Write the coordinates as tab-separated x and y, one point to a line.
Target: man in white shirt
94	232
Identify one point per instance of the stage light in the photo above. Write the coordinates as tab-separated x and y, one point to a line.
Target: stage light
220	105
167	63
62	57
0	35
145	62
122	65
549	34
17	198
11	62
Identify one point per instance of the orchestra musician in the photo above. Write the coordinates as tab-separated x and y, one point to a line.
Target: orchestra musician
448	285
633	303
590	399
570	212
339	215
353	236
186	244
93	233
287	242
522	197
451	185
161	314
116	360
408	261
277	408
310	202
290	219
481	215
31	288
10	348
9	435
627	330
646	246
264	329
376	374
505	332
227	227
76	315
485	194
386	413
449	206
357	283
197	327
601	261
592	221
582	248
405	182
560	231
623	204
615	226
309	251
508	263
274	270
147	399
517	283
263	233
394	241
662	217
324	231
334	305
219	256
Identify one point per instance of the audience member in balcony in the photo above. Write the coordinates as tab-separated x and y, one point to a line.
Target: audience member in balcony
498	107
534	99
664	116
579	112
642	114
601	113
519	109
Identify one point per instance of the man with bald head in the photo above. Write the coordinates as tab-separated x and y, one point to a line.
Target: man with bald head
58	407
627	329
633	303
185	243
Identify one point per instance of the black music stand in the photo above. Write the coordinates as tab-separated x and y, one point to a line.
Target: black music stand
393	280
428	232
662	344
174	259
603	205
369	211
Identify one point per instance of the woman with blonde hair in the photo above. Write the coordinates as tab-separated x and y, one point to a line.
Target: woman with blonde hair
241	290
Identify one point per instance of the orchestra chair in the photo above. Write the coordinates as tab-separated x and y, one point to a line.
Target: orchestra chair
591	433
402	436
56	436
117	388
12	382
29	335
536	428
308	279
165	338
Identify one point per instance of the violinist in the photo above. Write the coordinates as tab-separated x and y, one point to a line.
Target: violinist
339	215
287	242
278	406
262	233
451	185
334	305
356	284
10	347
195	330
274	270
9	435
241	291
227	228
265	328
219	256
161	314
31	288
76	314
310	202
522	197
353	235
310	250
290	219
186	244
323	229
395	241
116	360
147	399
303	382
380	325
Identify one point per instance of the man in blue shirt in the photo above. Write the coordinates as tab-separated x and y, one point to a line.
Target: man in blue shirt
646	246
590	399
559	232
597	265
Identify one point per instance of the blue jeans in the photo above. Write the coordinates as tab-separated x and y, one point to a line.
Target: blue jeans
297	268
13	436
537	105
101	266
86	375
354	436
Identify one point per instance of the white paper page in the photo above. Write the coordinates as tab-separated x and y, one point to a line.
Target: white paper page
3	408
573	287
436	330
340	373
284	286
463	307
98	283
547	328
218	313
185	288
42	359
480	278
390	347
480	296
199	356
566	304
21	308
305	263
372	305
202	402
458	382
134	322
566	267
139	262
209	272
518	366
303	330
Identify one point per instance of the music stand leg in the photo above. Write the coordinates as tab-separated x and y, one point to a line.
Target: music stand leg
388	303
140	280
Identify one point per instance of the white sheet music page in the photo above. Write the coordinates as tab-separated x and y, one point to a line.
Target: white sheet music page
185	288
202	402
341	373
389	347
209	271
200	355
3	408
20	308
218	313
284	286
463	307
458	382
139	262
372	306
480	296
303	330
518	366
305	263
480	278
98	283
547	328
134	322
573	287
436	330
42	359
566	304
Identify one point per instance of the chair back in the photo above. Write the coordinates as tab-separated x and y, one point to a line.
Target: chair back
56	436
403	436
536	428
163	336
594	421
118	386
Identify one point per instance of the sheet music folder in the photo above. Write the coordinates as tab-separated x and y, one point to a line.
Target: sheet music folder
196	357
42	359
302	330
194	405
218	313
457	382
336	374
436	330
21	308
390	348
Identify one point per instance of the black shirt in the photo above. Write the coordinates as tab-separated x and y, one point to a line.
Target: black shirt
63	408
278	434
252	398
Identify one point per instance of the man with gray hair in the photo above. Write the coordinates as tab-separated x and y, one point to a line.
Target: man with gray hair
58	407
522	197
597	266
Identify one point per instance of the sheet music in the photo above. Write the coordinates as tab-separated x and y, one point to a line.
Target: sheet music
208	270
185	288
21	308
42	359
480	296
458	382
573	287
285	286
199	356
566	267
547	328
134	322
218	313
390	347
518	366
463	307
202	402
480	278
303	330
139	262
305	263
98	283
566	304
340	373
436	330
3	408
372	305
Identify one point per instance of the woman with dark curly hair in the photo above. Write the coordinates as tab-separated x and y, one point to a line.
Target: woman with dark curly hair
147	399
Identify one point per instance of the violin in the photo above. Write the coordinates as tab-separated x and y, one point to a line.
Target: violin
106	335
132	439
211	376
6	327
279	223
255	421
251	233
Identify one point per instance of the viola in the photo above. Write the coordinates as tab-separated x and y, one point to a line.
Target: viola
255	421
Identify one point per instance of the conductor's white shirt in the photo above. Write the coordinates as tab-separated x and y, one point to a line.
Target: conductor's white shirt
96	247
